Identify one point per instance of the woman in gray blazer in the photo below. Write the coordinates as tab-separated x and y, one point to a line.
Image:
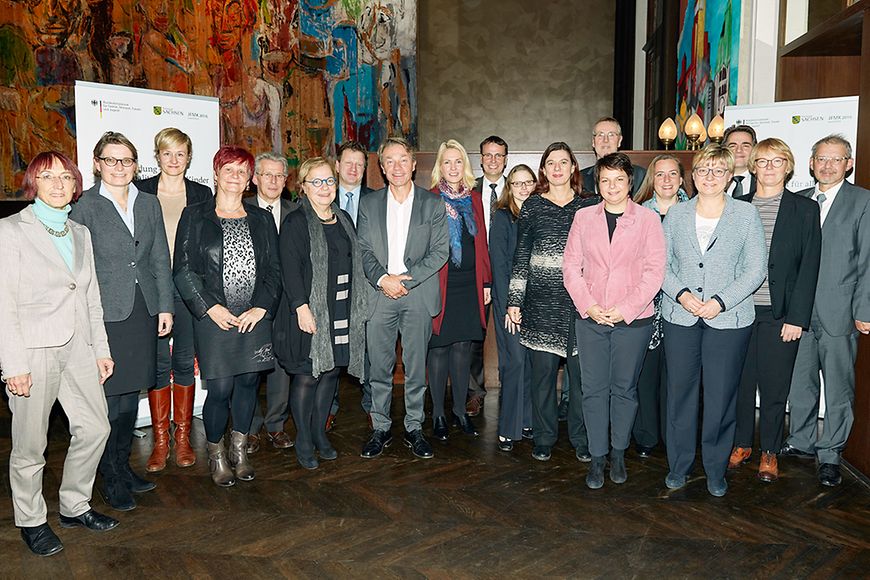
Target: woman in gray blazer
716	259
132	260
53	347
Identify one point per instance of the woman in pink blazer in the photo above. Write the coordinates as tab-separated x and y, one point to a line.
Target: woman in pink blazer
614	266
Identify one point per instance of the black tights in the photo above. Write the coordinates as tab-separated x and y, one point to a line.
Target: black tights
310	401
122	420
453	360
236	395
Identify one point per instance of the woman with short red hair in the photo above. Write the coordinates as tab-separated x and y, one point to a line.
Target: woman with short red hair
228	272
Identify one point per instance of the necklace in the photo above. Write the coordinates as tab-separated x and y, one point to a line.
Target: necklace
55	233
327	220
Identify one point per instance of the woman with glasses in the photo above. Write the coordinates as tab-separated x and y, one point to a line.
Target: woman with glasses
661	189
514	361
228	273
53	347
465	289
538	301
783	304
321	326
132	261
175	382
716	259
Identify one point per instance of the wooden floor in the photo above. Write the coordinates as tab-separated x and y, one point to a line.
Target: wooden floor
471	512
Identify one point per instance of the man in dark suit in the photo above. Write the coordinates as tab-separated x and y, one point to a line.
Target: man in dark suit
740	139
841	311
493	160
404	241
350	164
606	139
270	175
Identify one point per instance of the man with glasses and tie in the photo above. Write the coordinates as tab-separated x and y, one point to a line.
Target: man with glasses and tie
270	176
350	165
740	139
493	160
606	139
841	311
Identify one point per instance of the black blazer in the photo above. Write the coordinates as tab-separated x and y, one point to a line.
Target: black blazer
199	256
196	192
502	245
793	262
287	206
588	173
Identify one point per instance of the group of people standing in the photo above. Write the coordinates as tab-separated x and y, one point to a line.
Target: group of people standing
654	300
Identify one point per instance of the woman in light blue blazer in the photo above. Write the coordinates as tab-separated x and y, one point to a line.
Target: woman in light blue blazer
716	259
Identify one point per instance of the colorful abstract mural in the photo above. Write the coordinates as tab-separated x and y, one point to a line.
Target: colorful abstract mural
707	55
293	76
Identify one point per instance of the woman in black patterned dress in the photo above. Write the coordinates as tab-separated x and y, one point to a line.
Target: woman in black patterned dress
228	273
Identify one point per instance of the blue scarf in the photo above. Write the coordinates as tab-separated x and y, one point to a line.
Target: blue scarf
458	205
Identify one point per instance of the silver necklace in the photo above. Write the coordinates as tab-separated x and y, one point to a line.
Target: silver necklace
55	233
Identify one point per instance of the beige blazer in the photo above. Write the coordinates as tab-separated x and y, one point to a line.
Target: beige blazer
39	296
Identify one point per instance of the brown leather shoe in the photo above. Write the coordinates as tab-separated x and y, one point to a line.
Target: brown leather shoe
182	400
253	443
160	402
739	456
474	406
279	439
768	470
330	422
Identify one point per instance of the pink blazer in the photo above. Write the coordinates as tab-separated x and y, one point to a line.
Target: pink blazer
626	273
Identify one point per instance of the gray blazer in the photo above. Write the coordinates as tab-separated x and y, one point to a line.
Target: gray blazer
426	249
733	267
122	259
42	303
843	287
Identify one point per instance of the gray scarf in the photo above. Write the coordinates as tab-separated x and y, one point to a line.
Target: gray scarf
322	359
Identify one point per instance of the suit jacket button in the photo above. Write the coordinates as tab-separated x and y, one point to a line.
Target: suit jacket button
72	286
132	264
701	265
700	289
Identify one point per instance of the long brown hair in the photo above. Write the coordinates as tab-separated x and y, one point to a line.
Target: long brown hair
647	186
507	201
576	179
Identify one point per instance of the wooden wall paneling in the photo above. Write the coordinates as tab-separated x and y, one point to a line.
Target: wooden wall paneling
813	77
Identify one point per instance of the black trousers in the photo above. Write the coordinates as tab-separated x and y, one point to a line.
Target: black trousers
545	406
769	364
717	355
477	382
650	424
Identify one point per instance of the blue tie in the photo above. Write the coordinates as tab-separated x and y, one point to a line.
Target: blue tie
348	205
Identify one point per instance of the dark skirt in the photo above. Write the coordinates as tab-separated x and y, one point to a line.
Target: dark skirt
133	343
227	353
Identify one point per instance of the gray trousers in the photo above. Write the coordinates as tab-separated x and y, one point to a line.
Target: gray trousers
835	357
67	374
277	402
408	318
610	359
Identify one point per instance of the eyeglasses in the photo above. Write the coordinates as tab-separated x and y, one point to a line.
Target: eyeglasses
705	171
330	181
65	179
112	161
835	160
519	184
491	156
273	176
605	135
777	162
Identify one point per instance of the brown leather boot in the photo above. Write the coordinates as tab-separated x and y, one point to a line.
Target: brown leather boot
182	398
238	455
218	466
160	401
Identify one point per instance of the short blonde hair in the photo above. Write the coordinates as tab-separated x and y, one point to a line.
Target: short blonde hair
773	145
714	154
467	177
310	164
169	137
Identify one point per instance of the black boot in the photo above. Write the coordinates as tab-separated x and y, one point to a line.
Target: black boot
114	490
134	483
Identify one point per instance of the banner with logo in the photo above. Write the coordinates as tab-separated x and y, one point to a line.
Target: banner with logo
139	114
800	124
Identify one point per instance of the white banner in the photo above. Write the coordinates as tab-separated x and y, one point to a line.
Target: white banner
800	124
139	114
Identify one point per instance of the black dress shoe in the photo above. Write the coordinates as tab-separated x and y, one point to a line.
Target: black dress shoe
418	444
116	493
829	474
464	422
528	433
790	451
41	540
505	444
135	483
541	453
91	520
439	429
644	451
376	443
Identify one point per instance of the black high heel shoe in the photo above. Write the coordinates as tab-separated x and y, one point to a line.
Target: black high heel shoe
440	430
464	422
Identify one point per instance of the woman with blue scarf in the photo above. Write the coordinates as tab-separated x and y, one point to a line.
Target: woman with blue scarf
465	288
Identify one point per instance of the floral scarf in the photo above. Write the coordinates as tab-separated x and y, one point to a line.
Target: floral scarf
458	205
